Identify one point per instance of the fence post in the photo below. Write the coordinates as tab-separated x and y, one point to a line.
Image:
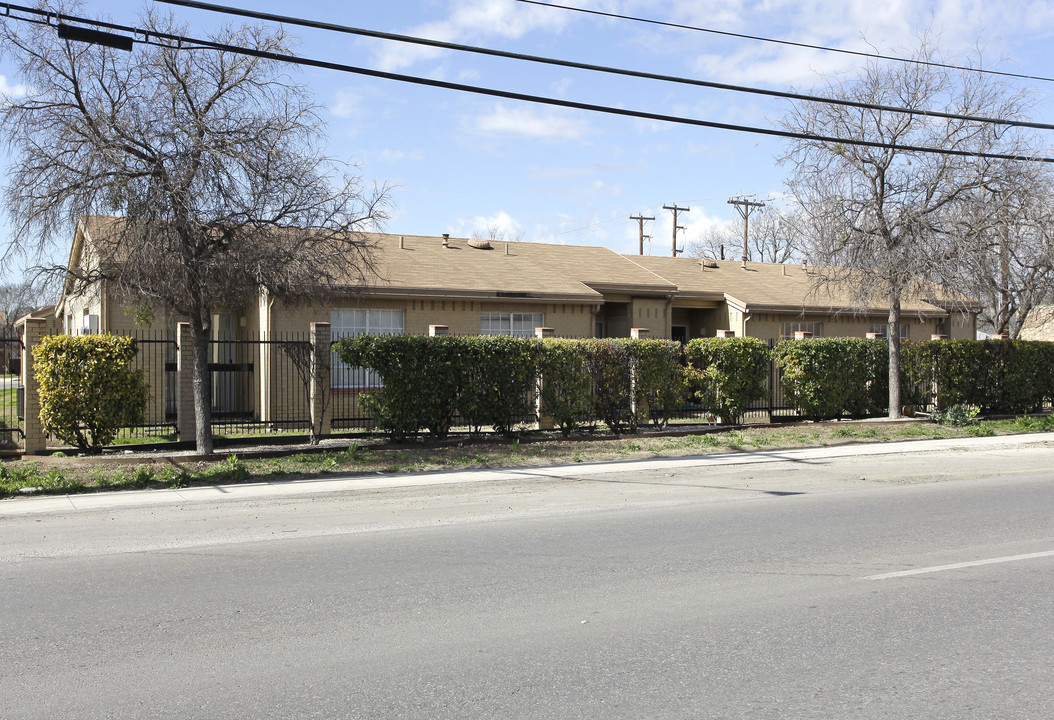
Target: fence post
640	409
185	425
545	420
36	441
321	412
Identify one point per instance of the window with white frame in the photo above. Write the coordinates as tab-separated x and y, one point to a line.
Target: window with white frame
515	324
788	329
881	329
352	323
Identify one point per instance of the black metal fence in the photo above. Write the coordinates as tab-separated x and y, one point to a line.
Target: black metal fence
156	360
11	399
261	384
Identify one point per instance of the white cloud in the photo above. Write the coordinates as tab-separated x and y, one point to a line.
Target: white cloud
346	104
521	121
472	19
500	226
890	28
11	91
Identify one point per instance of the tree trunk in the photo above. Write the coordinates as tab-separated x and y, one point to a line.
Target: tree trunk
202	388
893	334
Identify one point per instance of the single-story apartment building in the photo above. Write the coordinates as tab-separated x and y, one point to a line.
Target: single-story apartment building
469	286
475	286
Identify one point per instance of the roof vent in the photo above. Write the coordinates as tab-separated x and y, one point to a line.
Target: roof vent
708	263
479	243
446	239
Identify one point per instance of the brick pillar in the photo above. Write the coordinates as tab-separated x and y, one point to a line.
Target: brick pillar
185	425
321	409
545	420
36	441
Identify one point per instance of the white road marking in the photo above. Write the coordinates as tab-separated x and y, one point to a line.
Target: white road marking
956	566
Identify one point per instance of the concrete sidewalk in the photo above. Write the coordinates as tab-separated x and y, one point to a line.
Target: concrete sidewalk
288	488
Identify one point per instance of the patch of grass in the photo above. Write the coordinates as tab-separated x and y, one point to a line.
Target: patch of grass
230	471
153	439
18	477
1027	423
372	456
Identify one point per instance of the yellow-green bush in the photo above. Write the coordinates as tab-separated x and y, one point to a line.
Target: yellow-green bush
88	390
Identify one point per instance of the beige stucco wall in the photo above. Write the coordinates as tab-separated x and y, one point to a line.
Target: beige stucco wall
768	325
651	313
461	316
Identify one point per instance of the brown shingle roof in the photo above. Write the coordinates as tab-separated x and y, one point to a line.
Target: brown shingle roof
424	265
421	265
763	286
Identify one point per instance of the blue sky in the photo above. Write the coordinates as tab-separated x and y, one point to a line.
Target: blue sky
459	163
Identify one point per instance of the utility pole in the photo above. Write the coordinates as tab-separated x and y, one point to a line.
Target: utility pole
676	227
640	220
744	206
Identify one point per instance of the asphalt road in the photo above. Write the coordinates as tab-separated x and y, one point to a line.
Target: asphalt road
884	587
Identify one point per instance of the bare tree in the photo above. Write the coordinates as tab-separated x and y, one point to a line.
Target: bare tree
496	233
881	222
18	299
1008	261
770	239
716	241
212	158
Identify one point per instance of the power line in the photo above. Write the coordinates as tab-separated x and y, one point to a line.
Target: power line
189	43
786	95
824	48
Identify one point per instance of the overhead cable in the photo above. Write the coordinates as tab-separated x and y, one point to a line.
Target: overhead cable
824	48
185	43
333	27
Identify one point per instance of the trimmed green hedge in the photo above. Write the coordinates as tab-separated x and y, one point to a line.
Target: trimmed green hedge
566	385
422	378
431	383
88	390
661	380
488	381
497	376
1009	376
728	374
829	377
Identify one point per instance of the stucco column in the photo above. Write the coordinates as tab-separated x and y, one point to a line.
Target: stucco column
321	410
545	420
35	441
640	408
185	425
